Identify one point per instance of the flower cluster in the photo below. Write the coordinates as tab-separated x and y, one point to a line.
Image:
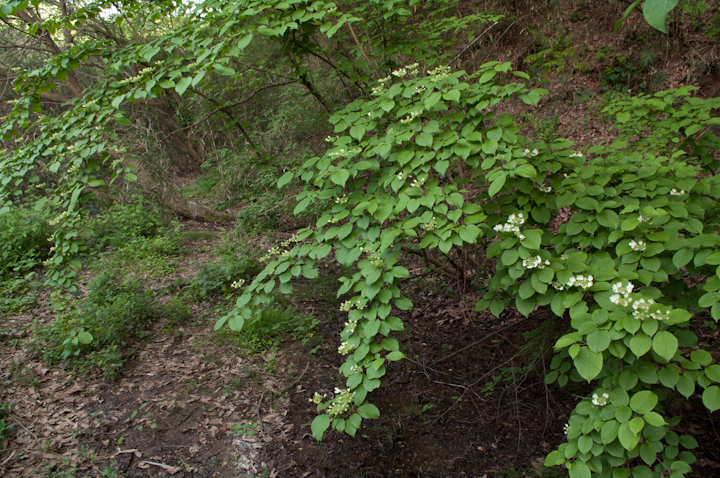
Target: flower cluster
558	286
580	281
600	400
317	398
418	182
545	189
411	116
622	294
641	307
637	246
341	199
382	81
135	79
419	89
73	169
643	219
341	403
342	152
577	154
675	192
535	262
331	139
412	69
351	325
400	72
375	259
377	90
56	221
512	225
440	73
401	175
237	284
566	428
530	154
345	348
349	304
293	238
430	226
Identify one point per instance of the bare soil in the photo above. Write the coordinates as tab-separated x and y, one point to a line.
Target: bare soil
469	401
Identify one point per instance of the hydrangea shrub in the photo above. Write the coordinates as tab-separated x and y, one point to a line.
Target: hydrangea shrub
628	272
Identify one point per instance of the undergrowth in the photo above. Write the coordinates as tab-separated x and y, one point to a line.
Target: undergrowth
95	333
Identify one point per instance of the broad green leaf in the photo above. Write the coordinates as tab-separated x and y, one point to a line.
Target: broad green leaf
643	402
665	344
182	85
628	439
285	178
656	11
711	398
319	424
588	363
368	410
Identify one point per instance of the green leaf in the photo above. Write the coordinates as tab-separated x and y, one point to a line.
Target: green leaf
711	398
656	11
682	257
368	410
357	132
182	85
85	337
640	344
665	344
340	177
319	425
525	170
643	402
579	470
588	363
628	439
685	385
598	340
220	70
403	303
285	178
497	184
713	373
654	419
424	139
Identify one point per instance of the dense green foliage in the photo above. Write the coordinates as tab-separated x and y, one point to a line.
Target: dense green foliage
619	241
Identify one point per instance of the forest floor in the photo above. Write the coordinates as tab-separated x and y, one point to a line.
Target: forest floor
470	400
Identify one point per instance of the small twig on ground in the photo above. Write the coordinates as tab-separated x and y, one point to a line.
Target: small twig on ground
477	342
262	431
295	382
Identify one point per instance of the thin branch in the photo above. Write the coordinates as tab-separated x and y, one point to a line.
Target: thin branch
472	43
221	108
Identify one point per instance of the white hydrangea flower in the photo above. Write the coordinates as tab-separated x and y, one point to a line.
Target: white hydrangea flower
535	262
345	348
637	246
600	401
430	226
581	282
